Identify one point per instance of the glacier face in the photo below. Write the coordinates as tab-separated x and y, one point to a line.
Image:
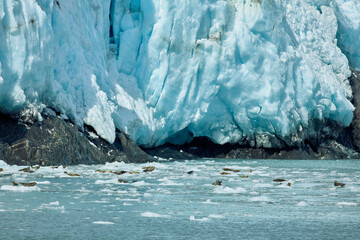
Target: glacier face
348	13
166	70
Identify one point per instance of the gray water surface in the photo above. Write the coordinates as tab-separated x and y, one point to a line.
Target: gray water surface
168	203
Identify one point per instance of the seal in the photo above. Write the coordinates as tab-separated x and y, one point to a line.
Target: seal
279	180
72	174
119	172
30	184
148	169
217	183
231	170
338	184
122	180
27	169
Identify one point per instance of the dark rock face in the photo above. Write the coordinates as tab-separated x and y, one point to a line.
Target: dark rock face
51	142
355	125
133	152
171	152
261	153
329	149
200	147
334	150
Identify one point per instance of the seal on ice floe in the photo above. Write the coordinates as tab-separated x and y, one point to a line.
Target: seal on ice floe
72	174
27	170
30	184
148	169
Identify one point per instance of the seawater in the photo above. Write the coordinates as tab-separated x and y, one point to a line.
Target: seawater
169	203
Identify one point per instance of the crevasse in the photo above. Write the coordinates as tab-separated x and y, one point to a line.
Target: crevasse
167	70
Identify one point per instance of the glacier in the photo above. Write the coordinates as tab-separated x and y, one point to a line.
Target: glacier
267	73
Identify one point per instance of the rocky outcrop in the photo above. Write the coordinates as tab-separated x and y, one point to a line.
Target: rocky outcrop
354	130
55	141
51	142
329	149
133	152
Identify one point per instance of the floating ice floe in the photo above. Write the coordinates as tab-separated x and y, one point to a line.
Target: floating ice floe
302	204
228	190
52	206
43	182
347	204
263	185
12	210
147	195
167	182
19	188
208	201
109	181
154	215
261	199
216	216
140	183
204	219
103	222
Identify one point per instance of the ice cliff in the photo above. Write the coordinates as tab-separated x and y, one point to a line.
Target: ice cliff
264	72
